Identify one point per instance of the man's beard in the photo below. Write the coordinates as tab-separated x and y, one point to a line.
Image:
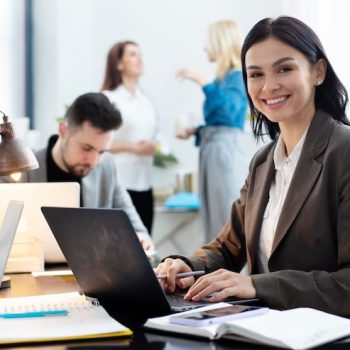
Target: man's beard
78	170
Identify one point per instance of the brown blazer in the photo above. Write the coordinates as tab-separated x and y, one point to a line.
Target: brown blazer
310	261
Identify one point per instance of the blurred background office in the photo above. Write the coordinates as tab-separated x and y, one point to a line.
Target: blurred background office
53	51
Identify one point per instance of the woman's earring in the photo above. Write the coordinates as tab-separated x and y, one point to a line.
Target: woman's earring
318	83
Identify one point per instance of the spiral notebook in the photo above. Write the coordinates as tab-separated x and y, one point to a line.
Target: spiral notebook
83	319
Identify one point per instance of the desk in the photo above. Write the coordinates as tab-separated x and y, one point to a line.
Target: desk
25	284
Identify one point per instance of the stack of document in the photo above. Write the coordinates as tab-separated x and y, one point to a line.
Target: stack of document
25	256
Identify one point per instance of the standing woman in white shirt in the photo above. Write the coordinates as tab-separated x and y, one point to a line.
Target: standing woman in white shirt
134	143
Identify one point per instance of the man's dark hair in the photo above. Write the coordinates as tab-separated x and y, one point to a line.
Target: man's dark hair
96	109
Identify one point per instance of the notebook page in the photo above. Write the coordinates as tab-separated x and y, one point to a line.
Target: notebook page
83	320
299	328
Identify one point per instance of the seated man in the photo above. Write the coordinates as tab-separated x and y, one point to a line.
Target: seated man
76	154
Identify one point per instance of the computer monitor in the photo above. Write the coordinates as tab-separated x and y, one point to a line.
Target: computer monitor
33	225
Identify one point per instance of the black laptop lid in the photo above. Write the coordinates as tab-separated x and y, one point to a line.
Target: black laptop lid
107	259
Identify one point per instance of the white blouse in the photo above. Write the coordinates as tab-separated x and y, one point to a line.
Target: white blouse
285	167
139	123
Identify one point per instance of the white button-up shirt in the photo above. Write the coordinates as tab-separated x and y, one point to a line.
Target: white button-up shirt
284	167
139	123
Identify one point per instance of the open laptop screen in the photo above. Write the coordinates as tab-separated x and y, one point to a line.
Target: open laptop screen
33	224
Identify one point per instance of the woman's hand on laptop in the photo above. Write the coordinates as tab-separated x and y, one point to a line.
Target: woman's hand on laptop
222	283
170	268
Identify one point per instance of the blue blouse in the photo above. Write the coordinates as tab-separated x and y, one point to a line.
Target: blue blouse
226	102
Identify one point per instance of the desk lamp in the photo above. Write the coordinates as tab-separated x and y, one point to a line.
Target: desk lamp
15	157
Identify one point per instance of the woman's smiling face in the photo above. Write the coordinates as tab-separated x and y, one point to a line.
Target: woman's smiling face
281	81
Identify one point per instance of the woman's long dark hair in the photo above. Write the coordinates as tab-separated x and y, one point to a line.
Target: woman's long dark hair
331	95
113	77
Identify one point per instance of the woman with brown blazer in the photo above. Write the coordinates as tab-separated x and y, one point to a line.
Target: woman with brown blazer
292	221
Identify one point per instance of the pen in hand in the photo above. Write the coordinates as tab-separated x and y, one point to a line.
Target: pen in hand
183	274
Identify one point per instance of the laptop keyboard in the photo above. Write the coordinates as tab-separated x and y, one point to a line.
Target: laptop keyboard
176	302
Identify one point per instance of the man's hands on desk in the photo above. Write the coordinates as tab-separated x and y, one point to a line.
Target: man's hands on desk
221	283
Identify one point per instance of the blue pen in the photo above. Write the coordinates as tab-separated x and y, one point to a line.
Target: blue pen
35	314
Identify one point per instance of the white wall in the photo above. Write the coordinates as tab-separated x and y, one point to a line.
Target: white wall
72	38
12	58
330	20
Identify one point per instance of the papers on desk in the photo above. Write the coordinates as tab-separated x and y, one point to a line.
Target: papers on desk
301	328
66	272
83	320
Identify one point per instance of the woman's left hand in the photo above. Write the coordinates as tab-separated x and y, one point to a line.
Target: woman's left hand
189	74
185	133
224	284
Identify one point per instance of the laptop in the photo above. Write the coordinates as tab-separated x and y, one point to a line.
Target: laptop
33	225
106	257
7	235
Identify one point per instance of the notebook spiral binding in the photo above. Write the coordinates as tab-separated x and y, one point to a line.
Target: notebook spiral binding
95	302
92	300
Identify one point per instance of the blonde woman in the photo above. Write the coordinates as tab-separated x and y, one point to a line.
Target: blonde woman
223	164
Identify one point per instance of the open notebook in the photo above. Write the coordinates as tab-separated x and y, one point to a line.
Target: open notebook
82	320
301	328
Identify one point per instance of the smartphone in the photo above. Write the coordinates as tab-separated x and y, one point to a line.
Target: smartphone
218	315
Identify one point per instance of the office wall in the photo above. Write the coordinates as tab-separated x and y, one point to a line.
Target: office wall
12	47
72	37
330	21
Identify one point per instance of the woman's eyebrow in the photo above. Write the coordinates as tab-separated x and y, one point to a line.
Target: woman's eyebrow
276	63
